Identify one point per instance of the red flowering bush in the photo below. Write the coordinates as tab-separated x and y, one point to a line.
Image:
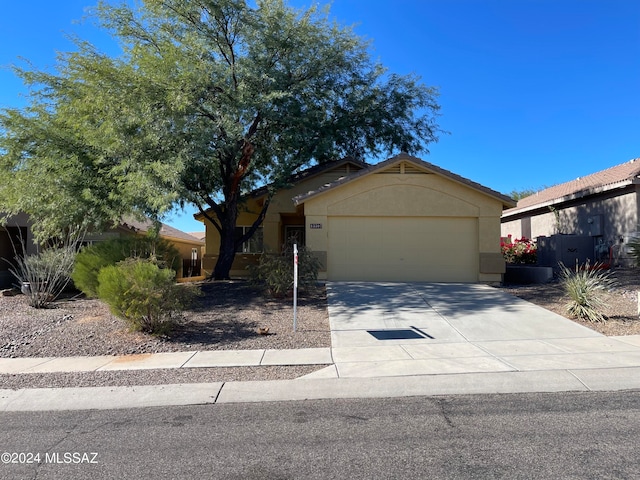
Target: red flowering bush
519	251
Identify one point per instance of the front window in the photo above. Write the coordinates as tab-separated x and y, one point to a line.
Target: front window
253	245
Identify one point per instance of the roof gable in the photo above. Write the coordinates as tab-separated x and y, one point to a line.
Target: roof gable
404	163
619	175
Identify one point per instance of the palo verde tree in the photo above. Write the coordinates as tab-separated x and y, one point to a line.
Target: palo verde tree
211	98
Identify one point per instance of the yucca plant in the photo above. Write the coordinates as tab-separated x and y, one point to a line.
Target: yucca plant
45	275
584	287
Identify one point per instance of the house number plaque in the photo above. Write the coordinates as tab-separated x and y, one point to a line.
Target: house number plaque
315	226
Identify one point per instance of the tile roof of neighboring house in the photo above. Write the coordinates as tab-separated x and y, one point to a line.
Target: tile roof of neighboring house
507	201
613	177
165	230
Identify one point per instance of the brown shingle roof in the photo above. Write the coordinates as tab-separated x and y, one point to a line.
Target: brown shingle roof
619	175
165	230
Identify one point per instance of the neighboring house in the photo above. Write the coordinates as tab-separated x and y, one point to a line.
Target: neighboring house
603	206
17	232
189	247
199	235
202	236
400	220
16	239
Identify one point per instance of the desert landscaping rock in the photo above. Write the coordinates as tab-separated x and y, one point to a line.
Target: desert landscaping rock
227	316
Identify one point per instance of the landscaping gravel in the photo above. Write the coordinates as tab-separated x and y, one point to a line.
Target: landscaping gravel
621	301
228	315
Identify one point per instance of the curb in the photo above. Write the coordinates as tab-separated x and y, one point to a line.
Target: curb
106	398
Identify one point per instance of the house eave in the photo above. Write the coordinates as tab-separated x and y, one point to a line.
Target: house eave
506	201
263	191
571	197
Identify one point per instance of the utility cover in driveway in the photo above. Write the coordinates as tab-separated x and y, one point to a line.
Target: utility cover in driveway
396	334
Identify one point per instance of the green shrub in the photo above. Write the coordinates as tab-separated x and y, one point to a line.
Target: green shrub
275	272
634	249
143	294
585	286
95	257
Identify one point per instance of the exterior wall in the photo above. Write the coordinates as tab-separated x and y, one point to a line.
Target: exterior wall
411	195
185	251
608	217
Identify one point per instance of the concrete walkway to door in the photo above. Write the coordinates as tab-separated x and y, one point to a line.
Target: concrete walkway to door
399	329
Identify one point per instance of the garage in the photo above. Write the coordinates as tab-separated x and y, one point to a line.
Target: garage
405	220
436	249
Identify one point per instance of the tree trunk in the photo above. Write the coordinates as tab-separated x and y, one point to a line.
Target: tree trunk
229	214
227	251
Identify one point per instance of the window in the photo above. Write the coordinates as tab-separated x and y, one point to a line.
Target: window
253	245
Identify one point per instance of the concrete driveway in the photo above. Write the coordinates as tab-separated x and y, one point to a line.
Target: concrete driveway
392	329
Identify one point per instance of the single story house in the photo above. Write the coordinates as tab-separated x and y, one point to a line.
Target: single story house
603	206
16	239
189	247
403	219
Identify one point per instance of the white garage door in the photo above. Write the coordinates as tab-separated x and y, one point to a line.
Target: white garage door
430	249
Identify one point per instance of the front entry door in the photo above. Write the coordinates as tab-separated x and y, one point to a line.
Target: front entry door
294	234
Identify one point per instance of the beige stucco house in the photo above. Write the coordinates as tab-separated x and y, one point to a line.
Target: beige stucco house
604	206
400	220
189	247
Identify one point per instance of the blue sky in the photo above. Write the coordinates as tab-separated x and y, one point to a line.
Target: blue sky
533	92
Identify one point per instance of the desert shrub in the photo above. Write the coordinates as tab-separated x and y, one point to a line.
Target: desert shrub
45	275
144	294
634	250
94	258
584	286
275	272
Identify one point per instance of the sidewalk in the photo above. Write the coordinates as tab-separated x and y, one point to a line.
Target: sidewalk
607	364
388	340
203	359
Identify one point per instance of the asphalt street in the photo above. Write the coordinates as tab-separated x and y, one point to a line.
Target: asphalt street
562	435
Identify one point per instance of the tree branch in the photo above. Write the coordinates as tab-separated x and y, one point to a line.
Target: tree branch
263	213
216	208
